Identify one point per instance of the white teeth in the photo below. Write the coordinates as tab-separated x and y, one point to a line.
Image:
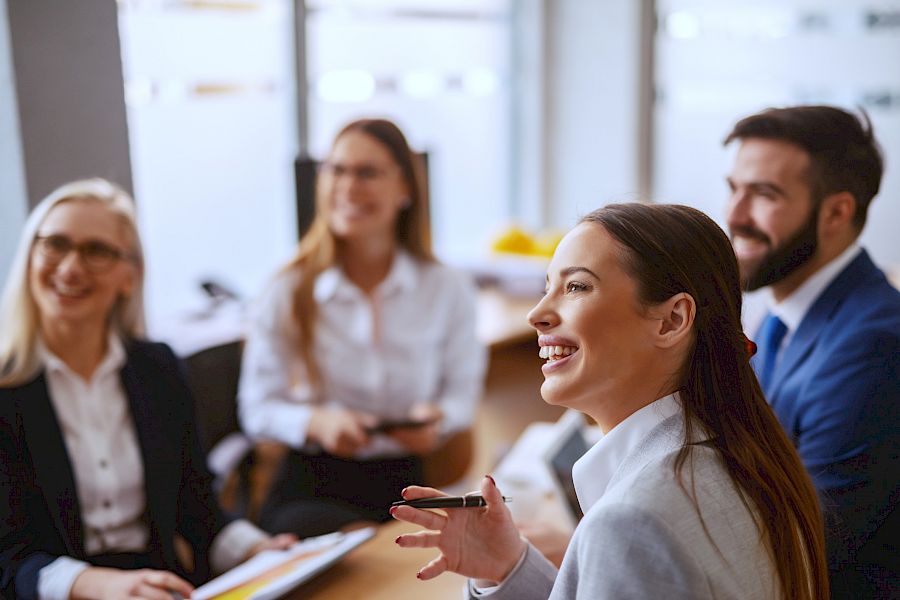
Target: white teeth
69	291
552	353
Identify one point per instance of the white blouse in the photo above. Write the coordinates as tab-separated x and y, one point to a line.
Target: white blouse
411	341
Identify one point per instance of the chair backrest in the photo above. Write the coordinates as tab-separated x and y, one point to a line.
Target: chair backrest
213	376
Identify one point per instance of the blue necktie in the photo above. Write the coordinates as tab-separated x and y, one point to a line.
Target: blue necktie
771	334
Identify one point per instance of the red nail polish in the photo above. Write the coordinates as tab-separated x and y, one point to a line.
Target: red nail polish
393	510
419	575
492	480
397	541
403	493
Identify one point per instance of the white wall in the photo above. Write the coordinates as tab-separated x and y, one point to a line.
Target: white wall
13	201
212	136
593	71
717	63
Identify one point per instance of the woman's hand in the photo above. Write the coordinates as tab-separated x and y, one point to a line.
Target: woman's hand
481	543
282	541
340	431
424	439
96	583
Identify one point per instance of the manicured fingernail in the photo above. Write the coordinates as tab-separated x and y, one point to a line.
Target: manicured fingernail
492	480
393	510
419	575
403	492
397	541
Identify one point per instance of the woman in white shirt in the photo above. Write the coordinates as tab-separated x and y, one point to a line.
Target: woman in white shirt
361	333
100	467
694	491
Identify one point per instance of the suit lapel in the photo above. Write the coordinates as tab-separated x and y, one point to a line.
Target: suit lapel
52	467
149	439
822	310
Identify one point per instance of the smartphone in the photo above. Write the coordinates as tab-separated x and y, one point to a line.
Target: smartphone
389	425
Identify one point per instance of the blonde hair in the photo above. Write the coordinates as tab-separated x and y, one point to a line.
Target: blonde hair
319	248
19	324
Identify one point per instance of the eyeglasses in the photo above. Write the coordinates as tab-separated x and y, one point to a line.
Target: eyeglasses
96	256
365	173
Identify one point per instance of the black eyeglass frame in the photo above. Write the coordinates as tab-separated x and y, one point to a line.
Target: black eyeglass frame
97	257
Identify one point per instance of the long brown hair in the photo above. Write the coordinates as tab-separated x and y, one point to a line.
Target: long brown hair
319	248
672	249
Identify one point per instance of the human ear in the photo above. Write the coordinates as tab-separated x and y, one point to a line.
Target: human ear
837	212
126	287
676	319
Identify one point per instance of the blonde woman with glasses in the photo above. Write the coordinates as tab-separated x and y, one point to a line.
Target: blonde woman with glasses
100	466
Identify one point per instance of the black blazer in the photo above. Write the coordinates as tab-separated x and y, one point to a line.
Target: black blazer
40	517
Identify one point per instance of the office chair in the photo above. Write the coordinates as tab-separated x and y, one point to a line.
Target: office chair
212	376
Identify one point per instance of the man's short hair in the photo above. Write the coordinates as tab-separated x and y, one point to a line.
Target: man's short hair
844	155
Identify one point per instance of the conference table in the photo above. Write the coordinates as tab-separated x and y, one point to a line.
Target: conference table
381	570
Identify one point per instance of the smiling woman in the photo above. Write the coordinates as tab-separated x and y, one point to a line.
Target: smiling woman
640	329
363	356
100	467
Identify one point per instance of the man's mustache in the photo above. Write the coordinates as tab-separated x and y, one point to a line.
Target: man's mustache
749	232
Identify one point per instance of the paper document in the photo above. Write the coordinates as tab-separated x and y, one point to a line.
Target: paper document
273	573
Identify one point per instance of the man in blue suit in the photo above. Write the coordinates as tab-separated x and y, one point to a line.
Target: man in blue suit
829	349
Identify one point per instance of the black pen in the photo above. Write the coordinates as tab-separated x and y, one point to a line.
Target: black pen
469	501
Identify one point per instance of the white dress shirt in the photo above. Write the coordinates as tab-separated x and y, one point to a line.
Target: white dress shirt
412	341
593	471
99	433
792	309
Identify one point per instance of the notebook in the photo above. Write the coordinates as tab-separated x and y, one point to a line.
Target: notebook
271	574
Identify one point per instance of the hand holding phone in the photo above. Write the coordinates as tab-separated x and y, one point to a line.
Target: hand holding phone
420	432
389	425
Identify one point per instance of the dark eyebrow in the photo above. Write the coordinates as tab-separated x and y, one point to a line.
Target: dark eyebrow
759	186
572	270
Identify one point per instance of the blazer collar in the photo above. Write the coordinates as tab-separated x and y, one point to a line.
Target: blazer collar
638	436
152	441
52	466
821	311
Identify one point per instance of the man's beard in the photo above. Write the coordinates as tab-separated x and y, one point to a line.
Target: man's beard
781	261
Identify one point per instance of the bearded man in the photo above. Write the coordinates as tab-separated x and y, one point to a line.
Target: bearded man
829	349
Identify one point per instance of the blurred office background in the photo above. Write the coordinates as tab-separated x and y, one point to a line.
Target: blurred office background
531	111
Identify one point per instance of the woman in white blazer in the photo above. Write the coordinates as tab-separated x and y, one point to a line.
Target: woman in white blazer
694	491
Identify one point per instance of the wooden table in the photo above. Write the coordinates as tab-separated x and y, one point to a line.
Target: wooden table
381	570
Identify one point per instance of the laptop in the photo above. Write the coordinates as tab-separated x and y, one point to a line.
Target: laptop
568	443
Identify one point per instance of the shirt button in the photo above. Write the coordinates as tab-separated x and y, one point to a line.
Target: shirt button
103	463
107	504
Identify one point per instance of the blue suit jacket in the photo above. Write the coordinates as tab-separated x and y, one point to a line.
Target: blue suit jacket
836	390
40	517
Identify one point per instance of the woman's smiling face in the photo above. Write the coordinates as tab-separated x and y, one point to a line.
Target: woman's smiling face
593	332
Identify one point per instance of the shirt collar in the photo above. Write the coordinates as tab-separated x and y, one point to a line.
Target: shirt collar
332	283
792	309
593	471
113	360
